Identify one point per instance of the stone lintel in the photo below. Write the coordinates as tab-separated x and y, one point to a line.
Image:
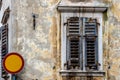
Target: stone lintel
81	9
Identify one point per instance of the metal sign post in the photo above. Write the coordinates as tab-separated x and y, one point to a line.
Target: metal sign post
13	77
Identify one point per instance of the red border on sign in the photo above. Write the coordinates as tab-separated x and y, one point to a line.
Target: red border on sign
9	54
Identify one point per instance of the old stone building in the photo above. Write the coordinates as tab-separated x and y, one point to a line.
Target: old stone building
62	39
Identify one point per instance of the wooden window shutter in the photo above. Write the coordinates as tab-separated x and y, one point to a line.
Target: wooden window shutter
80	30
4	47
5	16
91	43
4	40
73	32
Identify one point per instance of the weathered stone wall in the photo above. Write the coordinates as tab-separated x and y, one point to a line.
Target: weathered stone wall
41	47
112	40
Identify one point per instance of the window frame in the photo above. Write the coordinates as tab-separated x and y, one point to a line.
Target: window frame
64	17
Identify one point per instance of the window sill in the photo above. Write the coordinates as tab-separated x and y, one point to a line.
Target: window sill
82	73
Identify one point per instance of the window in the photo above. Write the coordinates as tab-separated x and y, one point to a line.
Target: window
81	44
81	39
4	39
82	36
4	46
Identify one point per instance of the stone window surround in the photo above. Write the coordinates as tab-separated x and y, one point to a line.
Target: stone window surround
94	12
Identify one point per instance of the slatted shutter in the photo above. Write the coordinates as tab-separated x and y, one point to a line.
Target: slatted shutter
4	47
74	40
91	43
4	38
80	30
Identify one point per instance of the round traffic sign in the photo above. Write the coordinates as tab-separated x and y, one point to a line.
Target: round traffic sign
13	63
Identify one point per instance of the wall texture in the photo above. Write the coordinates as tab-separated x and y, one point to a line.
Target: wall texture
111	40
41	47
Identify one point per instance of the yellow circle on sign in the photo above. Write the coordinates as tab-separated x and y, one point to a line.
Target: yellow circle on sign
13	63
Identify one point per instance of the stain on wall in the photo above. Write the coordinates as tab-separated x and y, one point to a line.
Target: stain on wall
111	41
41	47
